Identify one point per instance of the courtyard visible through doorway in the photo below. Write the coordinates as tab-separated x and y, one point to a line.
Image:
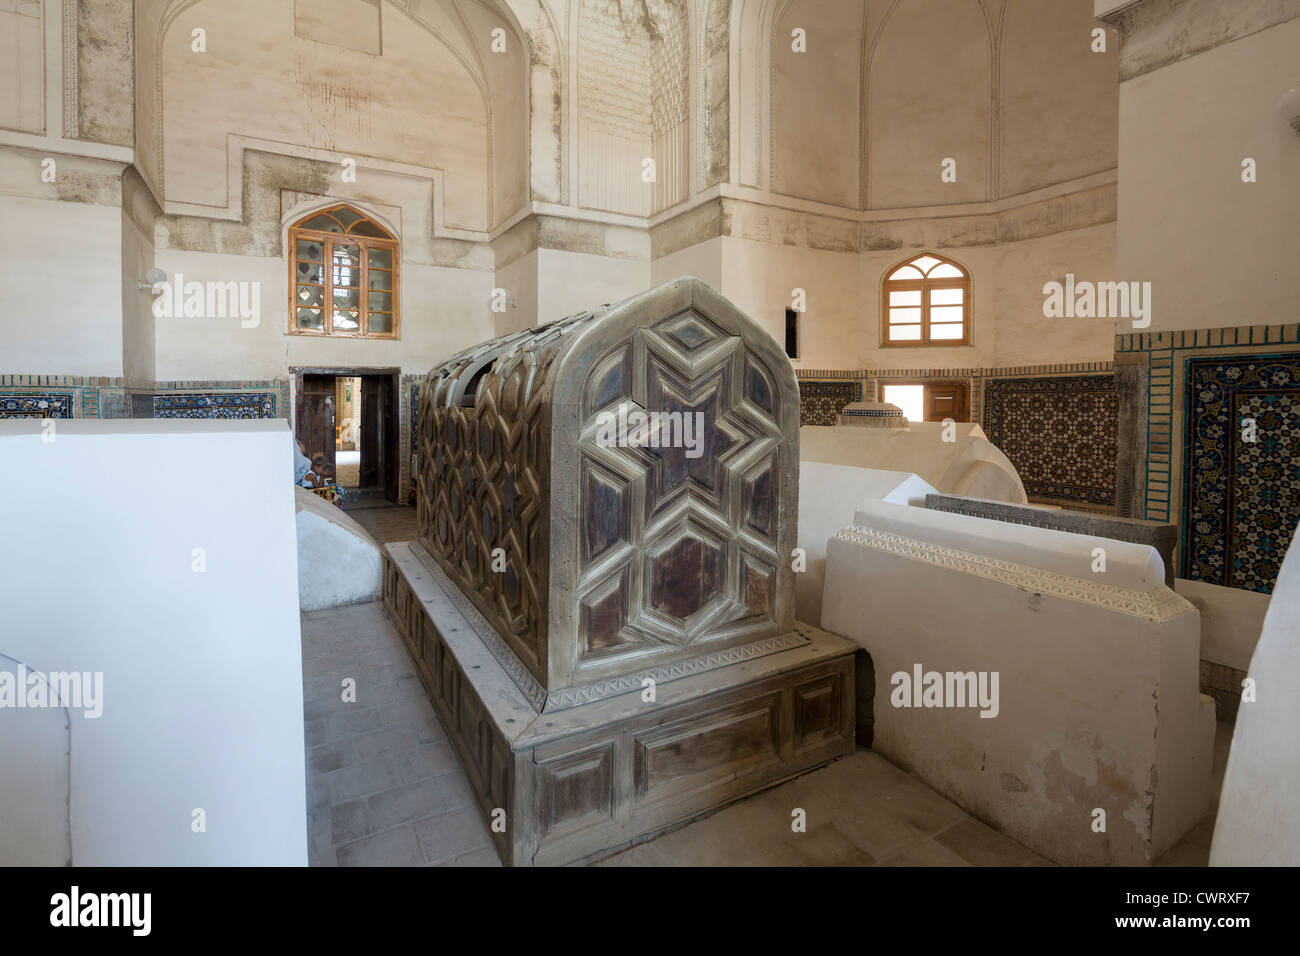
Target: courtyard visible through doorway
350	416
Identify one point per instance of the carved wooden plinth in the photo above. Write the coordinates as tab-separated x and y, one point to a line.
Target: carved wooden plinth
587	780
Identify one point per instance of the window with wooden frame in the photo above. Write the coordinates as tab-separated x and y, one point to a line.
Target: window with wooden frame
343	276
926	301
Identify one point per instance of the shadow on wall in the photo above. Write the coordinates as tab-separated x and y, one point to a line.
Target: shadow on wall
35	798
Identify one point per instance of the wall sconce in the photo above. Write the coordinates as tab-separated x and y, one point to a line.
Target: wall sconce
151	279
1288	107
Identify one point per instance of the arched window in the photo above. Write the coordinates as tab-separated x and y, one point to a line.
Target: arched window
926	301
343	276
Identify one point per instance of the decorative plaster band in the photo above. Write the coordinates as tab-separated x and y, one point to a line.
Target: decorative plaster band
1158	605
1156	33
773	218
71	78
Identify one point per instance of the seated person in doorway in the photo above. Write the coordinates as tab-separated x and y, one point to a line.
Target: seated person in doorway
318	473
301	463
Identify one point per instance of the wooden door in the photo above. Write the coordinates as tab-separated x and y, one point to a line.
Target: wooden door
389	444
947	400
316	416
371	429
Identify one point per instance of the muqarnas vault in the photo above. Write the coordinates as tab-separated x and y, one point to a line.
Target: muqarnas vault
606	627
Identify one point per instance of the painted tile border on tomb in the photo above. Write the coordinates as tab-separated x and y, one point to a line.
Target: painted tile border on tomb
214	398
67	396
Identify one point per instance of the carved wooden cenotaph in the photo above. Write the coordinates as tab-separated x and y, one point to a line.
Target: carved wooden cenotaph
601	600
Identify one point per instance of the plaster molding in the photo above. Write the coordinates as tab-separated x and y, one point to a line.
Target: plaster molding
71	78
1159	605
751	214
1156	33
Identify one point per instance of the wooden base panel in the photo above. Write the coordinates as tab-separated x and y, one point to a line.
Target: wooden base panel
583	782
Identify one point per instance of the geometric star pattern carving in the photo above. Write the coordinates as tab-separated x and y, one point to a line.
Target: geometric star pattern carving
480	503
678	549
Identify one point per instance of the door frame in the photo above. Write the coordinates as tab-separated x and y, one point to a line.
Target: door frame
927	382
392	448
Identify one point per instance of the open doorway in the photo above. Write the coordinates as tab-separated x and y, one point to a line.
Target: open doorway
930	401
350	416
347	430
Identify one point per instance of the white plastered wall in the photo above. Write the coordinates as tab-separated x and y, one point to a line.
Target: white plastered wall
190	613
1218	251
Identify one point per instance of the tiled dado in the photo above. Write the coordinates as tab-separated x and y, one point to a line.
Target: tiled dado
1165	355
250	398
61	396
977	377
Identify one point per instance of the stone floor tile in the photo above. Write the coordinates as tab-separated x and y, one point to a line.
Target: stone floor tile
982	845
391	672
924	853
850	780
1202	834
395	847
322	708
313	731
643	854
715	841
361	779
383	743
821	846
487	857
922	808
455	790
1186	854
430	760
318	791
320	834
405	713
348	822
412	801
317	688
452	834
356	720
873	828
330	756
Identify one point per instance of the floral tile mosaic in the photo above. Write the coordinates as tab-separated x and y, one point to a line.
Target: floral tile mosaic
30	405
215	405
1242	498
